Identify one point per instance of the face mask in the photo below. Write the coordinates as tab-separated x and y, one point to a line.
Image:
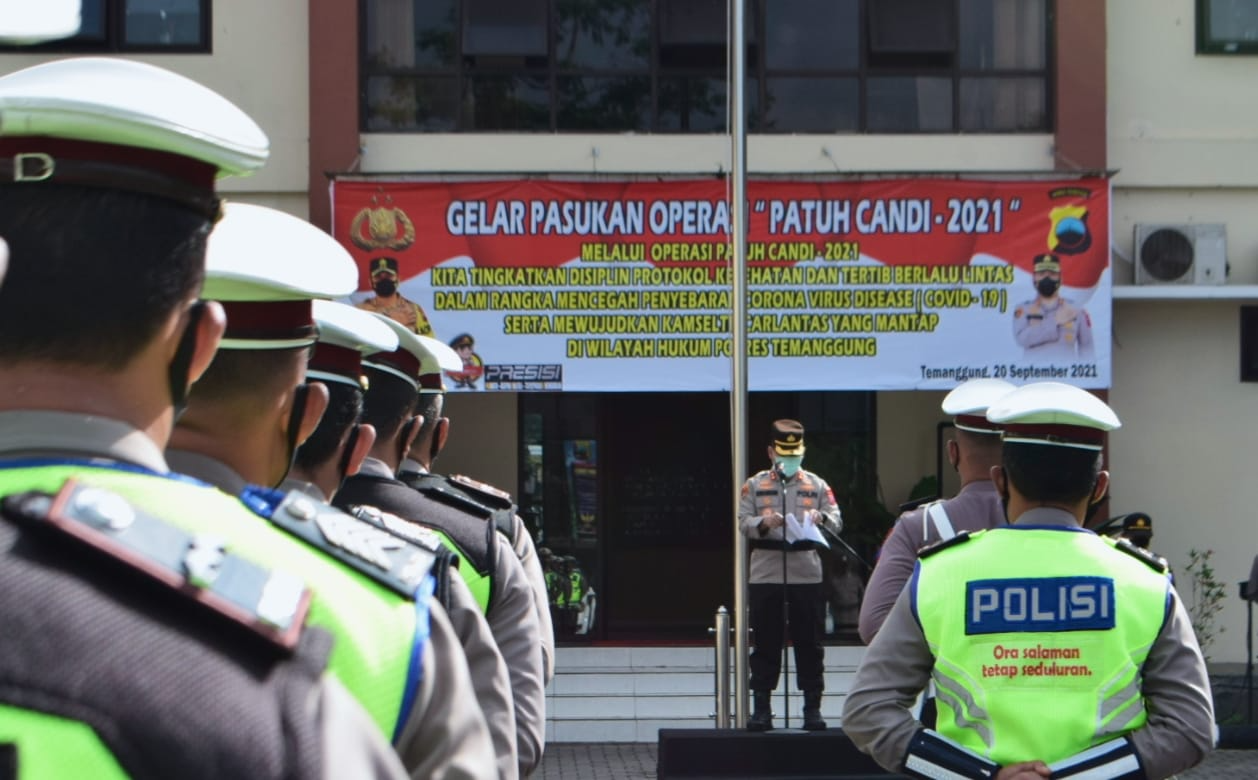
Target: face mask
789	464
1047	286
385	287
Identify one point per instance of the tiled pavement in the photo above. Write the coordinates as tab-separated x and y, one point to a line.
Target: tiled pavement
636	761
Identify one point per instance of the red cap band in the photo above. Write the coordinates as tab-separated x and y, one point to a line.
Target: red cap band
978	423
400	361
341	361
269	320
1056	433
192	172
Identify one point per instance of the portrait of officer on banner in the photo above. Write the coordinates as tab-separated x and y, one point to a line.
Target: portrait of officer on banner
1051	326
389	301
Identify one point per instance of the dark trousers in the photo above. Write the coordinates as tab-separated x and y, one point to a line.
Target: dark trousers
806	613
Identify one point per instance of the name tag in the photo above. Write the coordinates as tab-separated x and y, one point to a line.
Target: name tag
1039	605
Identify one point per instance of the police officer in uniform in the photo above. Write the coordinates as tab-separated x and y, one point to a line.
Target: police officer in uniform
1050	327
972	452
787	570
337	448
1055	651
486	562
478	497
389	302
245	418
123	653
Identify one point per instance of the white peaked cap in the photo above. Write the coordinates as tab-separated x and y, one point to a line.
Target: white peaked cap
132	104
345	335
1053	413
415	356
257	253
265	266
968	403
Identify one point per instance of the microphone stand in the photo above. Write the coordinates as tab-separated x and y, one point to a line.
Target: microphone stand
786	666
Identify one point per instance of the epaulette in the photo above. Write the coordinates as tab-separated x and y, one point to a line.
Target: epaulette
490	495
909	506
444	559
386	558
272	604
931	549
1152	560
434	486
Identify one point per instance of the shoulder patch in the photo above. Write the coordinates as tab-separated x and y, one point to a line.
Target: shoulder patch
1153	561
931	549
198	566
390	560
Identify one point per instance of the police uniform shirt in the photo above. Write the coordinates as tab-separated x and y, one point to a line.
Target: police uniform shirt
352	745
526	551
897	666
804	566
1036	328
444	734
489	676
976	507
513	622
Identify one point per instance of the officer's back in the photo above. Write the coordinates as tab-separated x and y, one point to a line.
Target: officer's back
132	648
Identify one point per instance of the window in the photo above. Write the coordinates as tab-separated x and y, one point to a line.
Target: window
813	66
1227	26
137	26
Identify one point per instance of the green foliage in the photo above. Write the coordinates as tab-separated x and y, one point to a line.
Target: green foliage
1208	595
926	487
845	461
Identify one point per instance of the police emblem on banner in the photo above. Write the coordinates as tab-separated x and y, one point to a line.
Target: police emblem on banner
382	226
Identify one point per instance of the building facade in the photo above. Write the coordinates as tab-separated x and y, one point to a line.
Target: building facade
388	90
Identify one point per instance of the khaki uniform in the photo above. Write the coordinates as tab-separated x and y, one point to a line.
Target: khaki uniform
975	508
444	734
799	568
526	551
511	614
898	664
1053	330
350	744
490	678
401	310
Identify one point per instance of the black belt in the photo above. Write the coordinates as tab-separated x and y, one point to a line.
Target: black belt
778	544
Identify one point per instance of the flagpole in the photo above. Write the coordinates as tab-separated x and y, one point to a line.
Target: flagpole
738	333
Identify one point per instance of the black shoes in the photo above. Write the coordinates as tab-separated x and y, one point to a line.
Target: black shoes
761	716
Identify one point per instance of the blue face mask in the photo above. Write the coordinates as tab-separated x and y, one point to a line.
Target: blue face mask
789	464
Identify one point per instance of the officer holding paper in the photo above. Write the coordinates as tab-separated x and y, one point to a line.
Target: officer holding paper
1055	652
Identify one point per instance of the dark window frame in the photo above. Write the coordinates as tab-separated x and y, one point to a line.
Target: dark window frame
758	86
1209	45
114	40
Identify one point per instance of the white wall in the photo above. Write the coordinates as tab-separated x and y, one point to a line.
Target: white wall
633	153
259	62
1183	134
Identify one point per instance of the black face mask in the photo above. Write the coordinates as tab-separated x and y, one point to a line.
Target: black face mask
300	395
177	378
385	288
1047	286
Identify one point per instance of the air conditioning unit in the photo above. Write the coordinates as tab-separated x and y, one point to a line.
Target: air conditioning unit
1181	254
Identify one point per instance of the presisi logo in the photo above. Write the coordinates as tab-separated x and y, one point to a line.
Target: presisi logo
1033	605
509	373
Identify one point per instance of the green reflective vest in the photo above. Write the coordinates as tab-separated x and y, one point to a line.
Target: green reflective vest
379	634
478	583
1038	635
